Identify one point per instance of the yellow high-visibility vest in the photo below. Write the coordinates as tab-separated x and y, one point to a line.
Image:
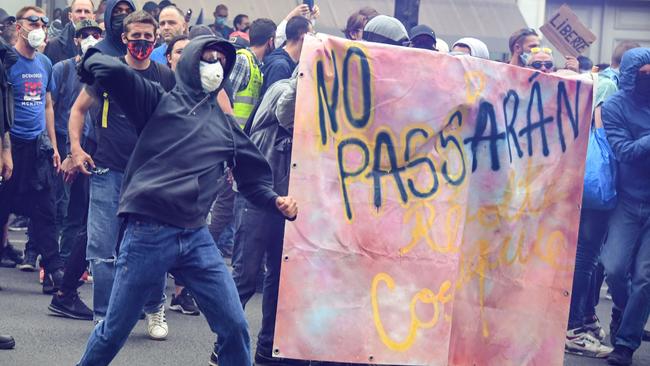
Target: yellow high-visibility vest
246	99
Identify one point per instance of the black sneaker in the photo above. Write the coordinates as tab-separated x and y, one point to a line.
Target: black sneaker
7	342
19	224
622	356
184	303
214	359
29	262
70	306
262	359
11	257
52	282
48	285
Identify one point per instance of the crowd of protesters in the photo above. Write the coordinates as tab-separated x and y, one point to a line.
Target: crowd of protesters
130	137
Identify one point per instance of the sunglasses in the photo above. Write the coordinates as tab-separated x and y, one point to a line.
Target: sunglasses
546	50
36	18
95	35
538	64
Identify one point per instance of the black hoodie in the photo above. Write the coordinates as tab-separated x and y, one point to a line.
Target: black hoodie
184	141
112	44
7	58
62	47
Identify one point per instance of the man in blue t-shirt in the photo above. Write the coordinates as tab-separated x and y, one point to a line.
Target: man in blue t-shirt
28	191
172	23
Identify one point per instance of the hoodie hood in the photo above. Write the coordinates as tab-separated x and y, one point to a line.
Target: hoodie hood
112	45
631	62
476	46
67	36
187	73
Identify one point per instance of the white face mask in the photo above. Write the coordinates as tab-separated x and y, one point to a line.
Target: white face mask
211	76
87	43
36	38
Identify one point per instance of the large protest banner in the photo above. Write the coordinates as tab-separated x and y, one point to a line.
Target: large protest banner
439	206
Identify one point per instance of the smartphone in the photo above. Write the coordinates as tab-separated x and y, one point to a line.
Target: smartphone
188	15
309	3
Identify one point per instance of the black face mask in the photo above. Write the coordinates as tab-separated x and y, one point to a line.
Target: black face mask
117	25
642	86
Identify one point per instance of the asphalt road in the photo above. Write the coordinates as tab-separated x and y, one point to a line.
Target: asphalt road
47	340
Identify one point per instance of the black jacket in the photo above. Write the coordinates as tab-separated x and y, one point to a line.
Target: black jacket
278	65
626	117
271	130
62	47
184	141
112	43
7	58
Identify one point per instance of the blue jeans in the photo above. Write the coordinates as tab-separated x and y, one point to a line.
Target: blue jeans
626	255
593	226
103	233
227	239
149	250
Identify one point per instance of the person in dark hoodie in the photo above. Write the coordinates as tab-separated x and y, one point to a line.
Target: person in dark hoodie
116	139
114	15
259	234
184	142
63	47
279	64
626	252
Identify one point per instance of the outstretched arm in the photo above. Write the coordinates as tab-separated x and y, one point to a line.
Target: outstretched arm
136	96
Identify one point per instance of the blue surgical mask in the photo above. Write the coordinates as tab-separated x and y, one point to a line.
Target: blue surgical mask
221	21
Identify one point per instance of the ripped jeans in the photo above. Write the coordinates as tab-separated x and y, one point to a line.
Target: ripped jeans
103	235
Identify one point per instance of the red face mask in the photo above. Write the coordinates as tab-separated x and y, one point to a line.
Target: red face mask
140	49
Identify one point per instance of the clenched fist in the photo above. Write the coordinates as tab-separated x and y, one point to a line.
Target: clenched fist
288	206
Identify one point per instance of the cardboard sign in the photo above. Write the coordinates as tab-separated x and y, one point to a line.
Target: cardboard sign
439	210
565	31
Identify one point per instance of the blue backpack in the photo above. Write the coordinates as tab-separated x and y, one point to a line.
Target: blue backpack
600	173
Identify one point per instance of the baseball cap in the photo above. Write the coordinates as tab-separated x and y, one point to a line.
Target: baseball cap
85	25
385	29
423	31
239	41
4	16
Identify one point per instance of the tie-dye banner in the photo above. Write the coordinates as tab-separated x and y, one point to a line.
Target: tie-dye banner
439	207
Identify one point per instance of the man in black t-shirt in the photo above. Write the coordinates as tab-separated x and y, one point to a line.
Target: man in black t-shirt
116	138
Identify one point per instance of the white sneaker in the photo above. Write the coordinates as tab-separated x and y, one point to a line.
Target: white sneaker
581	342
595	329
157	325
